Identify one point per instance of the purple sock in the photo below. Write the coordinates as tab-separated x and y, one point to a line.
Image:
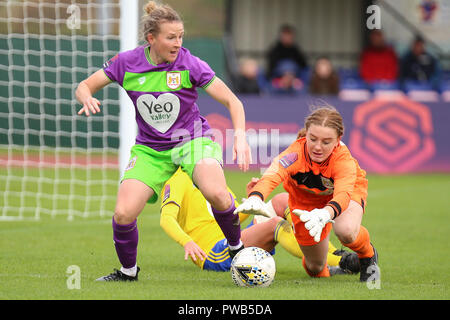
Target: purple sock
126	241
229	223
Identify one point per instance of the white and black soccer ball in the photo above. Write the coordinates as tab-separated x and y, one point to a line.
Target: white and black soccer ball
253	267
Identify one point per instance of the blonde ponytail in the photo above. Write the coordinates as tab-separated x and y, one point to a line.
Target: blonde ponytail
154	15
149	7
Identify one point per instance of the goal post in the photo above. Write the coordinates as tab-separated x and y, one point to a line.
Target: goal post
128	40
52	160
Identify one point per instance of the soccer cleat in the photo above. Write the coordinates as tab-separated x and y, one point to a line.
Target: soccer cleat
369	268
334	270
233	253
349	261
118	275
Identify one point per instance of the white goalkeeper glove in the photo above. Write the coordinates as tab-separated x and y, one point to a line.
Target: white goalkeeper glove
253	205
315	220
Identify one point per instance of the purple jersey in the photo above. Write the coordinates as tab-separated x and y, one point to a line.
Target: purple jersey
163	95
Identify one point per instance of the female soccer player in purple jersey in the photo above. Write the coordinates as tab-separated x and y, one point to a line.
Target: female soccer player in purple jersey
161	78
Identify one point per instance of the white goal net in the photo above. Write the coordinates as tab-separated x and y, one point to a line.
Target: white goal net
53	161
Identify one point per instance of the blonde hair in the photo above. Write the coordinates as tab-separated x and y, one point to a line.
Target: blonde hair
155	14
326	116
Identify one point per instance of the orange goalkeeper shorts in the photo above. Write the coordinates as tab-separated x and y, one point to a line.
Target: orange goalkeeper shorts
302	234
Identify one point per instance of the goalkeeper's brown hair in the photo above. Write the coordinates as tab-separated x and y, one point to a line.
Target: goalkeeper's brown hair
154	15
326	116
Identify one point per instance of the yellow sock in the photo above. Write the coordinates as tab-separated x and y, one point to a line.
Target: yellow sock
285	236
287	215
332	259
331	247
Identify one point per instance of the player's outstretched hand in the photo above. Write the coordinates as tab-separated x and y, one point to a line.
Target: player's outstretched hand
90	105
253	205
193	250
241	151
251	184
315	220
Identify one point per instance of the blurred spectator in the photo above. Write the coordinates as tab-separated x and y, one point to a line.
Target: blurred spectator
286	79
285	49
324	79
247	81
418	65
378	60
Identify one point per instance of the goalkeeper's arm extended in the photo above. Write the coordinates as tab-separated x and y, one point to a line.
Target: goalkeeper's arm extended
253	205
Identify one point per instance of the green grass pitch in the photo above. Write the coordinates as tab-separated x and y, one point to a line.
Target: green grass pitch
407	217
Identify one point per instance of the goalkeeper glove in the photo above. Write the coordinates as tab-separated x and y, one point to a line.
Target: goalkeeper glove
253	205
315	221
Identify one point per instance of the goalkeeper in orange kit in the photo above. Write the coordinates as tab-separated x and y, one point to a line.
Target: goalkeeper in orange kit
327	188
187	218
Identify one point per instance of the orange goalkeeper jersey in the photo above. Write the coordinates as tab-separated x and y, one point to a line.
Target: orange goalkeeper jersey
311	185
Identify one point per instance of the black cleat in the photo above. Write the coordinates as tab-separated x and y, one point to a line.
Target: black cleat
334	270
369	268
349	261
117	275
233	253
339	252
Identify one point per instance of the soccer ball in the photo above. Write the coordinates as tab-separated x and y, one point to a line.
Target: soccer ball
253	267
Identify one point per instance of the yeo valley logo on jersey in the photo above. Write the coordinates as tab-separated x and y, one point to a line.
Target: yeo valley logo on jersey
160	113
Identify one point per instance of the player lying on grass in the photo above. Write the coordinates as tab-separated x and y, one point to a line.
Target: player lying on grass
187	218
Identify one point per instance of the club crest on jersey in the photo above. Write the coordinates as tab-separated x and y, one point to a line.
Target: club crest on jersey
327	183
173	80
